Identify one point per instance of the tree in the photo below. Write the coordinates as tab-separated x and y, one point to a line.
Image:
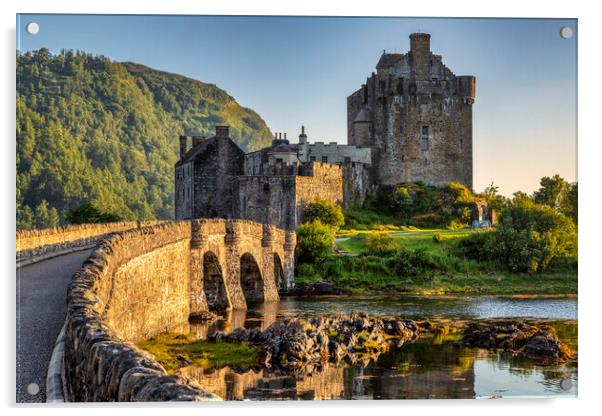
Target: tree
521	198
528	238
25	218
314	241
42	215
551	192
53	218
326	212
570	203
89	214
493	198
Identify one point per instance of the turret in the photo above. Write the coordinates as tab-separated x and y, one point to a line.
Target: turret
362	127
467	88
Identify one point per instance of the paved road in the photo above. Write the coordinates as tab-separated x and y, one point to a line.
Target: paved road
41	290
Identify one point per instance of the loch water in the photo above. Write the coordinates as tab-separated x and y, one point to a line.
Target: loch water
432	367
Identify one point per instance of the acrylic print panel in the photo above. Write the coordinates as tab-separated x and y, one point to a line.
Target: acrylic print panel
302	208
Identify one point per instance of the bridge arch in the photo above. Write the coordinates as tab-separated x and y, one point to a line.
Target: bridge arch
251	279
279	272
214	282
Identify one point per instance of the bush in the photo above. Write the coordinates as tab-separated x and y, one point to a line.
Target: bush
326	212
314	241
437	238
415	263
379	244
90	214
528	239
425	205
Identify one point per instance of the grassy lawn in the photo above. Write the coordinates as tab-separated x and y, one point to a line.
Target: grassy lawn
174	351
370	274
413	238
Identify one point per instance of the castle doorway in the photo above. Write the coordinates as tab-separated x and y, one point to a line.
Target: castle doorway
213	283
251	279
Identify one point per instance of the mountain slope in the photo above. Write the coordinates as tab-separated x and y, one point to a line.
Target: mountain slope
93	130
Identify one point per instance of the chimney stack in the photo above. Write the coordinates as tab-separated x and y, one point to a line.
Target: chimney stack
420	46
197	140
222	131
183	145
303	136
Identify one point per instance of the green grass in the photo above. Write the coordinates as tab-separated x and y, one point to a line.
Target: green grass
413	239
166	348
363	274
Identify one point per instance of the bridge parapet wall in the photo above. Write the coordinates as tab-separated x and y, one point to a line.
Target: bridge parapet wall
37	245
110	305
149	280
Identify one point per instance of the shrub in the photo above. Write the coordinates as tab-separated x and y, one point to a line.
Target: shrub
528	238
437	238
326	212
314	241
379	244
416	263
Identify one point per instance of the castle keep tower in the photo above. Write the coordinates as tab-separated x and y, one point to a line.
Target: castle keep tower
416	115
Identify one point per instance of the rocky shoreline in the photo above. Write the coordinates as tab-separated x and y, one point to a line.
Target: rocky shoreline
301	346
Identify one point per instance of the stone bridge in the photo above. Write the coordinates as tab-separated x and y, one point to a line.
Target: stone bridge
233	262
141	280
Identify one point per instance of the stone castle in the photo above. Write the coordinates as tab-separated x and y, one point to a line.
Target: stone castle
416	116
410	122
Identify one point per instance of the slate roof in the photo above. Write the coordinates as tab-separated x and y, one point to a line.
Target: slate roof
388	59
192	153
363	116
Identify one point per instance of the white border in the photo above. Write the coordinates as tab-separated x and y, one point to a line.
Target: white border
589	174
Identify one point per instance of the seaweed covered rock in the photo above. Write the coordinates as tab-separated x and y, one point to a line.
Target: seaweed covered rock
304	345
537	343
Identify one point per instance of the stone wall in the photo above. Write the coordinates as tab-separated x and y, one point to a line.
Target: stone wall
321	181
266	199
356	184
116	295
36	245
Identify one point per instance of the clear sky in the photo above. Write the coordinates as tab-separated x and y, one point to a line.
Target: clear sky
299	70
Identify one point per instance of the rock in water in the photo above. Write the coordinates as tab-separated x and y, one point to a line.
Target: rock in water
537	343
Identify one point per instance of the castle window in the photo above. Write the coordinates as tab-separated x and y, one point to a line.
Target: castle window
279	160
424	138
324	159
347	159
312	158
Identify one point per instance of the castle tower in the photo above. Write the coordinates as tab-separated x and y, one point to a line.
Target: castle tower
416	115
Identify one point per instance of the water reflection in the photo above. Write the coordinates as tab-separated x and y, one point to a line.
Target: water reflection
422	370
427	368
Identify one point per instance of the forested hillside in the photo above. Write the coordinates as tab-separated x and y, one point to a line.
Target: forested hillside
93	130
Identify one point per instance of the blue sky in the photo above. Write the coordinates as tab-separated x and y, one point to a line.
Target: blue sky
299	70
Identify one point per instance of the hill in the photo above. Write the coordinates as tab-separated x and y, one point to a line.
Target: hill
90	129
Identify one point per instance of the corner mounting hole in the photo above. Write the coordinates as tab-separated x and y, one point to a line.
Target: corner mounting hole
566	384
566	32
32	28
33	388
